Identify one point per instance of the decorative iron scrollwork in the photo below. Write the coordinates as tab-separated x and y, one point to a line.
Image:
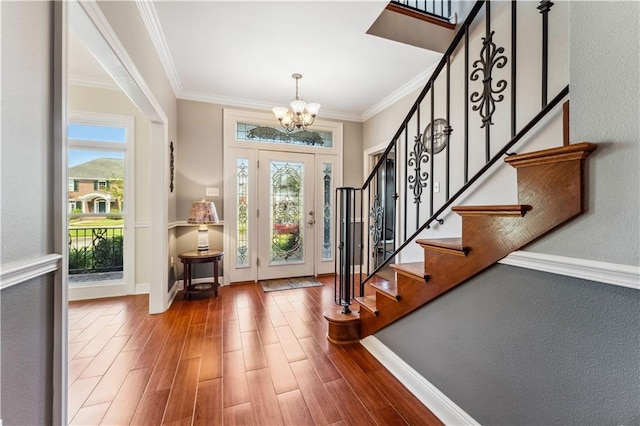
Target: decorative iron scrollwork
417	157
490	57
376	218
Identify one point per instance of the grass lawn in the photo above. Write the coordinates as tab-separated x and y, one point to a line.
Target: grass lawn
76	233
95	223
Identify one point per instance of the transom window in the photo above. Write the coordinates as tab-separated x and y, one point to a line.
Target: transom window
273	134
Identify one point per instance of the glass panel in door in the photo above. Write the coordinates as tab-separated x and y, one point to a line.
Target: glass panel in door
287	216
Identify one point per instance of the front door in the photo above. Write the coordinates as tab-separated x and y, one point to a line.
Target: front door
286	215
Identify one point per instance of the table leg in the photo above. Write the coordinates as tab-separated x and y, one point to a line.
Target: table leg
188	282
216	284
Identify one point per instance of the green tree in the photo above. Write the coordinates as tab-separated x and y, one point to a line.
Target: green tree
116	189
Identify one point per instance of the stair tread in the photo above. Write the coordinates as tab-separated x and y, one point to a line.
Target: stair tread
450	243
550	155
447	245
414	268
387	288
369	303
495	210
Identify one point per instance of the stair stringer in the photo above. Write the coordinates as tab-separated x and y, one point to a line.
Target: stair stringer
550	192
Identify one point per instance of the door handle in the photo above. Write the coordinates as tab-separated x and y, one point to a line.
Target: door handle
311	222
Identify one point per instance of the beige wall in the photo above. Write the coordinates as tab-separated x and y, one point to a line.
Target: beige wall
199	156
89	99
199	164
380	128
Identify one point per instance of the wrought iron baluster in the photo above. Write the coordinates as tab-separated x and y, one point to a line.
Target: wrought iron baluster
418	181
406	177
514	34
368	227
466	104
361	244
337	265
395	189
491	56
431	149
352	239
448	130
544	8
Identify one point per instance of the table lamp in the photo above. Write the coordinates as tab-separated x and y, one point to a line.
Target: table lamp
203	213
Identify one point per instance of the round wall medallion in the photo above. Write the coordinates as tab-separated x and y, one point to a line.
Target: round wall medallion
440	136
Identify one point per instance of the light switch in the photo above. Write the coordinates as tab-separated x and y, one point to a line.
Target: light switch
212	192
436	187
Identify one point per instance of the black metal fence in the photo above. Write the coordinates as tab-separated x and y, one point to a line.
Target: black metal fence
438	8
93	250
478	90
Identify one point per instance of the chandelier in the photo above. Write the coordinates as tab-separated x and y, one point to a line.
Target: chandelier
300	116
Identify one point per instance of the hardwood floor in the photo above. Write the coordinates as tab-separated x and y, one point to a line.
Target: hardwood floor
246	357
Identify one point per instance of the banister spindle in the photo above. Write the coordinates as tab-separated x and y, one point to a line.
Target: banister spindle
544	8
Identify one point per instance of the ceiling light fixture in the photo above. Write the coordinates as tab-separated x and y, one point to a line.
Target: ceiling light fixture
301	115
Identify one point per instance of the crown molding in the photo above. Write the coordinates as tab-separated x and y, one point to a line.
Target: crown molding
416	83
191	95
98	83
152	23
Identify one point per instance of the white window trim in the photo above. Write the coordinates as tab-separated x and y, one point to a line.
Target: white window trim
128	123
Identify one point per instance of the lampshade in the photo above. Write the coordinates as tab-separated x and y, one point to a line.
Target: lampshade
203	212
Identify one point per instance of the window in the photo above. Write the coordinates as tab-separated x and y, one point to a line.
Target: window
271	134
103	185
86	132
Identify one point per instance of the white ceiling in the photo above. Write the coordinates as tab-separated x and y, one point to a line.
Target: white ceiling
243	53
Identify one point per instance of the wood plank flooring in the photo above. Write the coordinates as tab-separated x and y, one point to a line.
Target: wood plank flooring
244	358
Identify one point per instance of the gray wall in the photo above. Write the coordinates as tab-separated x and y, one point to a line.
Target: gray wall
605	108
26	164
27	352
513	346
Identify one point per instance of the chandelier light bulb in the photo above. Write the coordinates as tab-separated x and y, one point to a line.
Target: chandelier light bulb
301	115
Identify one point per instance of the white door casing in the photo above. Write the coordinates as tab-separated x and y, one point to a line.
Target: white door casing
244	187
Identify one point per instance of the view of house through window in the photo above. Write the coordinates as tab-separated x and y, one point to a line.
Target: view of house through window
96	173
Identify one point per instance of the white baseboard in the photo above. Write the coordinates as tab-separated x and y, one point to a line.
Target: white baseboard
592	270
96	291
439	404
175	288
142	288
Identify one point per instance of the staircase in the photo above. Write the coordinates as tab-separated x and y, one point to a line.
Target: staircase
550	192
441	145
